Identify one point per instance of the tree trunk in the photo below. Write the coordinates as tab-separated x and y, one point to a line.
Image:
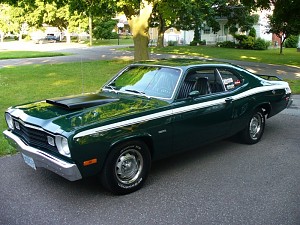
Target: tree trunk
20	35
2	36
282	39
139	28
161	33
197	32
68	36
160	39
91	28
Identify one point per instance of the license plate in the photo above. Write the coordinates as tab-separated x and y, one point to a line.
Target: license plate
29	161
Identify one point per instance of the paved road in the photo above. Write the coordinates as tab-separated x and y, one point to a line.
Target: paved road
83	53
222	183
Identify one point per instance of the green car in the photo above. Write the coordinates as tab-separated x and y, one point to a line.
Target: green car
148	111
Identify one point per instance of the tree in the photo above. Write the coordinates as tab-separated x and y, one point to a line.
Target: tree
4	20
12	19
78	23
103	29
192	14
162	17
285	20
93	8
138	13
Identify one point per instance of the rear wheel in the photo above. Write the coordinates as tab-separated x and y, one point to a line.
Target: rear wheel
255	128
126	167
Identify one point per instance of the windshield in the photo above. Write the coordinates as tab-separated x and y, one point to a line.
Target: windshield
159	82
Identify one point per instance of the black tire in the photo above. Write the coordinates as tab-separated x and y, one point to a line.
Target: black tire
126	168
255	128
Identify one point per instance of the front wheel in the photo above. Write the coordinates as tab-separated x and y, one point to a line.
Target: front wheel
126	167
255	128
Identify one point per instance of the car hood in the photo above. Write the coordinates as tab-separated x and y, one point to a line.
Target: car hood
76	112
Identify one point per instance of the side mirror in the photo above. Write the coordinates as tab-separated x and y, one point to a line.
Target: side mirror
194	94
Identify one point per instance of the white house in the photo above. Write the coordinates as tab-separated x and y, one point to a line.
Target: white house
211	38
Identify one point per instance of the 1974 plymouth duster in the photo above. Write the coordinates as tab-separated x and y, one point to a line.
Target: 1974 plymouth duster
148	111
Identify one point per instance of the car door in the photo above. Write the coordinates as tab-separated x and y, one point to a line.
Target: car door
202	118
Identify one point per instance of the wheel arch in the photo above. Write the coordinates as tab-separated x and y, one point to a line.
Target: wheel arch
145	138
266	108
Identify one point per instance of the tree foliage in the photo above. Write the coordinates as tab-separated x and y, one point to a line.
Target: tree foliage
92	9
181	14
103	29
285	20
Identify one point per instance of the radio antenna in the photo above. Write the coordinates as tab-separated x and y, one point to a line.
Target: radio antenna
82	78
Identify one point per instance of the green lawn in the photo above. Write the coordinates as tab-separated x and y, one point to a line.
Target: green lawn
27	54
121	41
35	82
290	56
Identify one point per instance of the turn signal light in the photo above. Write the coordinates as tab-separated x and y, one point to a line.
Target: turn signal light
89	162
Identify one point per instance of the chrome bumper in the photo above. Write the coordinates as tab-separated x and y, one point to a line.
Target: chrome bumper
42	159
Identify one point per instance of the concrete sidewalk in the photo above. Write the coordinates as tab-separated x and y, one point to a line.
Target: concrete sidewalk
82	53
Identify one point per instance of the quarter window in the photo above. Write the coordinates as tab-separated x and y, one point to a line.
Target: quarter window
230	79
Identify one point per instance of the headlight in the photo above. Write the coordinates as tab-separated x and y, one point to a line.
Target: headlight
9	121
62	145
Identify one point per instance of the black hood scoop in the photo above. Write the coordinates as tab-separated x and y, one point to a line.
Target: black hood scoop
82	101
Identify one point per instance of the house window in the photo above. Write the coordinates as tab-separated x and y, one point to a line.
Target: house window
206	30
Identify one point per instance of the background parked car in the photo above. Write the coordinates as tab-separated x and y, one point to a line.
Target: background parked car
47	39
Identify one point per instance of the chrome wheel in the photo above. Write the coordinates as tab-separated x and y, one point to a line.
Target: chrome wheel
126	167
255	127
129	166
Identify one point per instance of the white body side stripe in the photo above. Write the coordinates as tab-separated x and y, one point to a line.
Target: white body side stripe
179	110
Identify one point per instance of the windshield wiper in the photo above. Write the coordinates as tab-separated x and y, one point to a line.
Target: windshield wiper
135	91
111	87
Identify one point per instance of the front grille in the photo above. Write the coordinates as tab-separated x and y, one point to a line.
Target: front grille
33	137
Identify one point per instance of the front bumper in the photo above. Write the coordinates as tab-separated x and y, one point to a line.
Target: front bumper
65	169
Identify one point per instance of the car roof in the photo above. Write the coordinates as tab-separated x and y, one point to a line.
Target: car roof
182	63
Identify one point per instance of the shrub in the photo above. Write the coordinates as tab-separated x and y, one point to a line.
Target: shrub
261	44
291	42
172	43
114	35
252	32
193	43
247	43
202	42
226	44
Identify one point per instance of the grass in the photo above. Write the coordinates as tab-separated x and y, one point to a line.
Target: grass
35	82
122	41
295	86
290	57
27	54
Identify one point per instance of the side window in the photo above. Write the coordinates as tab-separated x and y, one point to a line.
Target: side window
230	79
204	80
